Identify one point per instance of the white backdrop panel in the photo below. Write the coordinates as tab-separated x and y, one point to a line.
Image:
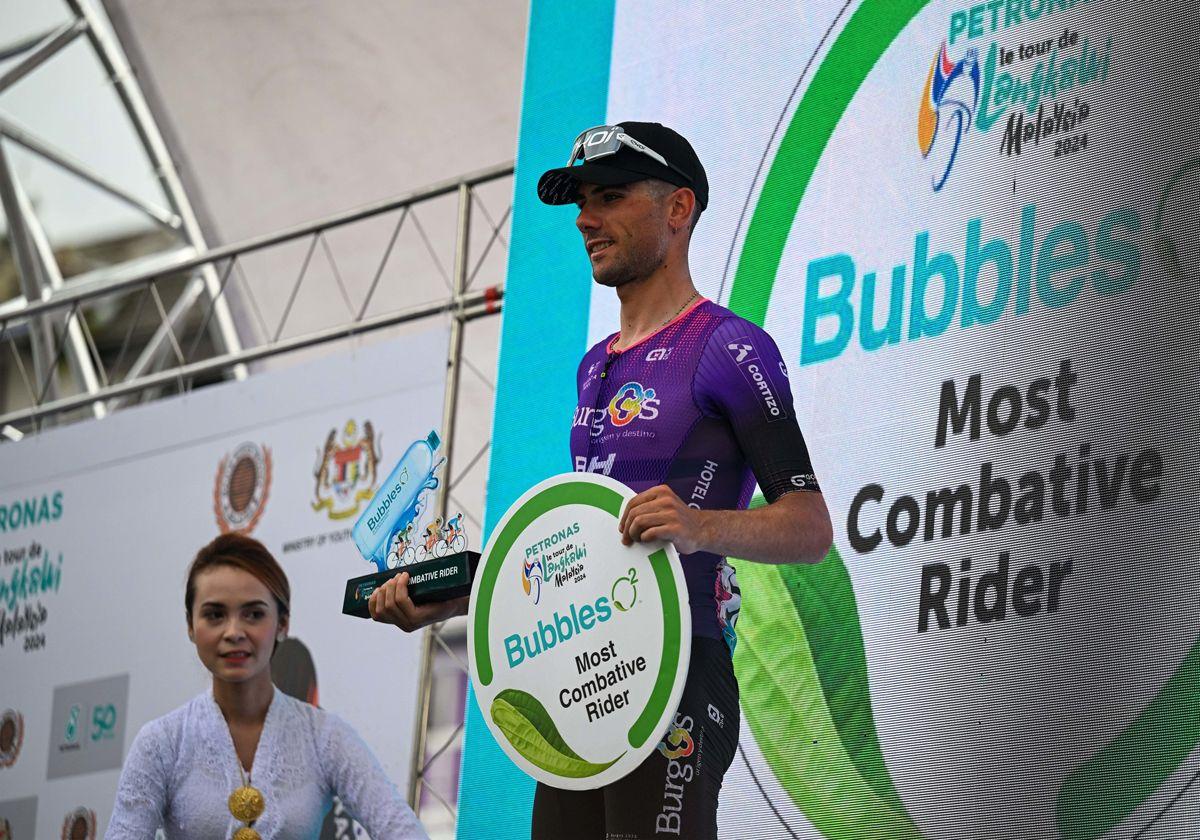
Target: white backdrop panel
129	500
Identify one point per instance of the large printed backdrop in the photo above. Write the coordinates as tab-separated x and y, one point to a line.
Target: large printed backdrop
98	522
971	229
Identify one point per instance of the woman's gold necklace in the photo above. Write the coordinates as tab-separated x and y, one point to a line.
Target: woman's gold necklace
246	804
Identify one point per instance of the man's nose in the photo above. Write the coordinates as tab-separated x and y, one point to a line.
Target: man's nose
586	220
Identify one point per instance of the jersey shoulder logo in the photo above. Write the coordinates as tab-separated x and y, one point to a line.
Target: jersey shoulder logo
758	377
739	350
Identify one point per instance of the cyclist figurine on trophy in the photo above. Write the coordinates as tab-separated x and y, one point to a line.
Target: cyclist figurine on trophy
440	541
439	565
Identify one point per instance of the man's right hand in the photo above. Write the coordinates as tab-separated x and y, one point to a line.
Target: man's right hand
390	604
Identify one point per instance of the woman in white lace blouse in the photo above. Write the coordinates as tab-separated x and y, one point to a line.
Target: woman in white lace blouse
246	760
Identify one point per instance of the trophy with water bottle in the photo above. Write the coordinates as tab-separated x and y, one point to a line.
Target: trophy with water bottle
389	534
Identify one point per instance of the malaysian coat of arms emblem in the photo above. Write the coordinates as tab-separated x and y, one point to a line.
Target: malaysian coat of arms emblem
346	470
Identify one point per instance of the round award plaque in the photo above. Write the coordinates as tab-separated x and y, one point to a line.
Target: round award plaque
578	645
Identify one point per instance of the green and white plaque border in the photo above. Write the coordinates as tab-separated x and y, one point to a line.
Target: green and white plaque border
521	705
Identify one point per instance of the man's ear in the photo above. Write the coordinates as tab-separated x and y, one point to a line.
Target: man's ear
683	203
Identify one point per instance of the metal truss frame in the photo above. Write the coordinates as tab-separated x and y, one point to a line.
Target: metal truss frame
38	272
58	311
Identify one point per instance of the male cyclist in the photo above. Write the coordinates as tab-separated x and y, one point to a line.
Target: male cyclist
687	404
453	527
433	533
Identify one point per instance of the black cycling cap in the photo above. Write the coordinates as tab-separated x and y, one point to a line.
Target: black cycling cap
622	153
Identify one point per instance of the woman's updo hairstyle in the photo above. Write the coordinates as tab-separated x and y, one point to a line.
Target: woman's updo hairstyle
247	554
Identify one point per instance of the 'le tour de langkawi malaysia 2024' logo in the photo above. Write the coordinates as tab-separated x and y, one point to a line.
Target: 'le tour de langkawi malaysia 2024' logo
948	105
556	560
347	470
1038	83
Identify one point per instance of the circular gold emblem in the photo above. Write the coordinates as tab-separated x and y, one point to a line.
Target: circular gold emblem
246	804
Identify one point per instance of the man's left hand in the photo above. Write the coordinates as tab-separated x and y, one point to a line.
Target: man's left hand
659	514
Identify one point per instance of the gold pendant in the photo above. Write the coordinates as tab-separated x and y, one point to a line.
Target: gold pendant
246	833
246	804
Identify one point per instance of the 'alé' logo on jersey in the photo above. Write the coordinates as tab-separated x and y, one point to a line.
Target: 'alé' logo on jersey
632	401
746	358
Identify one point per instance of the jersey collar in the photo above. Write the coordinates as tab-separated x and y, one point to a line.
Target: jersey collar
613	339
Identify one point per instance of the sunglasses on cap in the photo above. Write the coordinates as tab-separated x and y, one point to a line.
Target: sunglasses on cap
605	140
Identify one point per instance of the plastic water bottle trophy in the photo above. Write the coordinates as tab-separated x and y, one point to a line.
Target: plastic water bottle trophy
388	535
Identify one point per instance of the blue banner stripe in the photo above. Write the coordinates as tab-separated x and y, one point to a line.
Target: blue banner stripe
543	336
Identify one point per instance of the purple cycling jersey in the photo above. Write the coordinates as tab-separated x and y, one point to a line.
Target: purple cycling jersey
703	405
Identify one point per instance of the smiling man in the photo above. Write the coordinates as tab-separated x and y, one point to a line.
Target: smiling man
688	405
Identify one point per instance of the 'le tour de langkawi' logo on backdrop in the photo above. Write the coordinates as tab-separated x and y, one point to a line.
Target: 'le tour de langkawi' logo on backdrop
1038	80
243	483
346	470
12	735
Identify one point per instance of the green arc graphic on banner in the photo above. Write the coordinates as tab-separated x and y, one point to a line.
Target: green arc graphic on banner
870	30
853	796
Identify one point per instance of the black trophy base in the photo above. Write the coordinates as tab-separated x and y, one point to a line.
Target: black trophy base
439	579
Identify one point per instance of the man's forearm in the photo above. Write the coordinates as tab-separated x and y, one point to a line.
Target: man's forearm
793	529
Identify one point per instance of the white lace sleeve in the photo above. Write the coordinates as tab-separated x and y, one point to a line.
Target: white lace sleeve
355	776
142	790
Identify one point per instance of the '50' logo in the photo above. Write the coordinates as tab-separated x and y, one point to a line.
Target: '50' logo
104	722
